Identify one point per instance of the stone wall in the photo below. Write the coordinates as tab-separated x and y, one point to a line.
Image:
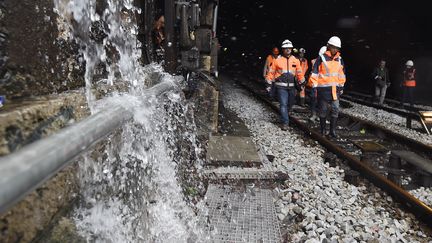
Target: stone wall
23	123
33	60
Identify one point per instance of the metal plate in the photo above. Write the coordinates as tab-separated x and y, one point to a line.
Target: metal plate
236	216
231	150
370	146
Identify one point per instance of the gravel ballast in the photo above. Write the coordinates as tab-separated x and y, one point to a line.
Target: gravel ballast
319	206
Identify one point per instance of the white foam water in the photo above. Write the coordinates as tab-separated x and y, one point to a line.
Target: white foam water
130	190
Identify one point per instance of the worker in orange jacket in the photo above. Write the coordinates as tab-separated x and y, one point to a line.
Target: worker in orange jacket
328	76
286	73
313	90
269	62
305	66
409	83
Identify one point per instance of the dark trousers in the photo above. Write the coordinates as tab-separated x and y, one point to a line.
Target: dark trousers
408	95
326	103
313	100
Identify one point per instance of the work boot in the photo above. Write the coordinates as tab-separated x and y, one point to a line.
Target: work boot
284	127
302	101
323	125
333	123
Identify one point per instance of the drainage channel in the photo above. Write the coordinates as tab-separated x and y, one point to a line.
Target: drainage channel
353	155
239	197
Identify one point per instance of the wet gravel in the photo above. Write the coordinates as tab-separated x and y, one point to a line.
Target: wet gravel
318	205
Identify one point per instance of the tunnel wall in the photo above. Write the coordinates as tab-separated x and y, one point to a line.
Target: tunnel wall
36	68
34	61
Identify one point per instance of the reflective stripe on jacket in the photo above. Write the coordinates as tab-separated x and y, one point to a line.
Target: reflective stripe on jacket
328	72
283	65
409	77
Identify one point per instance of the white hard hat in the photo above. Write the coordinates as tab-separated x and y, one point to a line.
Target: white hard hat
287	44
302	50
335	41
322	50
409	63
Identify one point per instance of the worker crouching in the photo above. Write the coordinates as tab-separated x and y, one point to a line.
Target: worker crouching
328	76
287	75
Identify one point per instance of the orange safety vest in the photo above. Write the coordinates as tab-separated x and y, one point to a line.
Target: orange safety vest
409	77
304	65
328	72
269	62
280	66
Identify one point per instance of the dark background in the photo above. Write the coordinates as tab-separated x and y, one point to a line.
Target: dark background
369	30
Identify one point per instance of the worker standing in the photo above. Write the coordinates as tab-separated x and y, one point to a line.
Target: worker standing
409	83
268	63
382	82
304	65
328	76
286	74
313	90
269	60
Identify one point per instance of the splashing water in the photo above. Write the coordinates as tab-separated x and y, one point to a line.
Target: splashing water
130	189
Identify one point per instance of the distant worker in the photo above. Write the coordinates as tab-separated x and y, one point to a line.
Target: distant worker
328	76
409	83
305	67
286	73
269	62
313	90
382	81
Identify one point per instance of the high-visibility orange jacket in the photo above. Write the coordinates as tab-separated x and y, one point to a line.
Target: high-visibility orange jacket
409	77
290	66
304	65
328	74
309	83
268	64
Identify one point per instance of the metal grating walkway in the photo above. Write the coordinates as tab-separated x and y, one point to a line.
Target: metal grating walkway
236	216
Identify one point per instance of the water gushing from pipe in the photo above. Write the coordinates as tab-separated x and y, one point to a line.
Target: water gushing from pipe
130	191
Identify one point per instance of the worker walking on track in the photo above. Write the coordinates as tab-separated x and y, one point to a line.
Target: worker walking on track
287	75
382	82
328	76
313	90
268	63
305	67
409	83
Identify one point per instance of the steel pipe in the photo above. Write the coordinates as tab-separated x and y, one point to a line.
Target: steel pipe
23	171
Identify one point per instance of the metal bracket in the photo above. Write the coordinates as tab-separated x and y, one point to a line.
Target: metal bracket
426	121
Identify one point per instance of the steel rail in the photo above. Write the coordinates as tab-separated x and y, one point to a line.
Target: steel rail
23	171
419	208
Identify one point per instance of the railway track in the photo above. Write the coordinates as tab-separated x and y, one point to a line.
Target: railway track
420	114
391	161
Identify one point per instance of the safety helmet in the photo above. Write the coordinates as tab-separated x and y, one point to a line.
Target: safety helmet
335	41
287	44
302	50
275	51
322	50
409	63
